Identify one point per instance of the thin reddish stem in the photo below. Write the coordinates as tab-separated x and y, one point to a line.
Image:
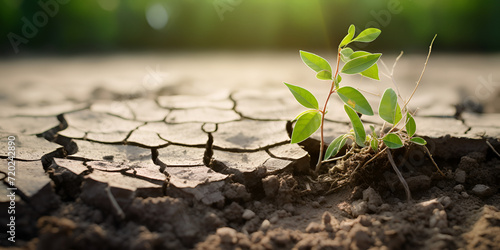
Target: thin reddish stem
323	112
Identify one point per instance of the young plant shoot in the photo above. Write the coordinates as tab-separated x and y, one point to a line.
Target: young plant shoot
389	110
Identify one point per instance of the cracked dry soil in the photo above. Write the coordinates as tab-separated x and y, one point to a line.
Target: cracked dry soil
295	213
140	183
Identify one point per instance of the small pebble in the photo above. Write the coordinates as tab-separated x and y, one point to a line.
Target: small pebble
438	219
265	225
467	163
274	219
315	204
359	207
227	234
445	201
482	190
464	194
257	204
459	188
248	214
372	197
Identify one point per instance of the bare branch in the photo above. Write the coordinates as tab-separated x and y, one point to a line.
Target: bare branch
421	74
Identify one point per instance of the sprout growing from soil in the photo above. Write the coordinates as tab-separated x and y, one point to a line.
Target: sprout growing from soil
402	126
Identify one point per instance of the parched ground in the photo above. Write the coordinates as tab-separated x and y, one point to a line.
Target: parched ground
192	151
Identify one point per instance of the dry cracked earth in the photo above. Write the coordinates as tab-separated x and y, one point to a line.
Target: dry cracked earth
216	170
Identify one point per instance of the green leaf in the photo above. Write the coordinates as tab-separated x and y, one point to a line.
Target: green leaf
299	115
360	64
371	72
324	75
350	34
359	53
303	96
418	140
306	125
367	35
337	81
388	106
345	54
411	126
392	141
335	146
359	130
315	62
355	100
397	115
350	54
374	144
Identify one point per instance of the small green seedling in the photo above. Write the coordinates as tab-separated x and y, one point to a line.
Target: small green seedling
365	64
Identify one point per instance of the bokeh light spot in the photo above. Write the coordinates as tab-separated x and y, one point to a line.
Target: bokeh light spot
157	16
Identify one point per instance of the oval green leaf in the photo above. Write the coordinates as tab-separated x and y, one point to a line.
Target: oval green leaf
388	106
360	64
371	72
392	141
398	115
367	35
350	54
345	54
359	130
315	62
324	75
303	96
418	140
335	146
411	126
337	81
348	38
306	125
354	99
374	144
358	54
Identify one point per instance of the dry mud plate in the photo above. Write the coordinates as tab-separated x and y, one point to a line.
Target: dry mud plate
218	171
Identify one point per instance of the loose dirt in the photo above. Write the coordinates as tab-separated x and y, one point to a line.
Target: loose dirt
348	207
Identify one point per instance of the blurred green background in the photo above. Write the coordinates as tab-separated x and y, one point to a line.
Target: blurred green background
81	26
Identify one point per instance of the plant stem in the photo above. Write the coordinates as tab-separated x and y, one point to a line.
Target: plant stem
433	162
492	148
400	176
323	112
